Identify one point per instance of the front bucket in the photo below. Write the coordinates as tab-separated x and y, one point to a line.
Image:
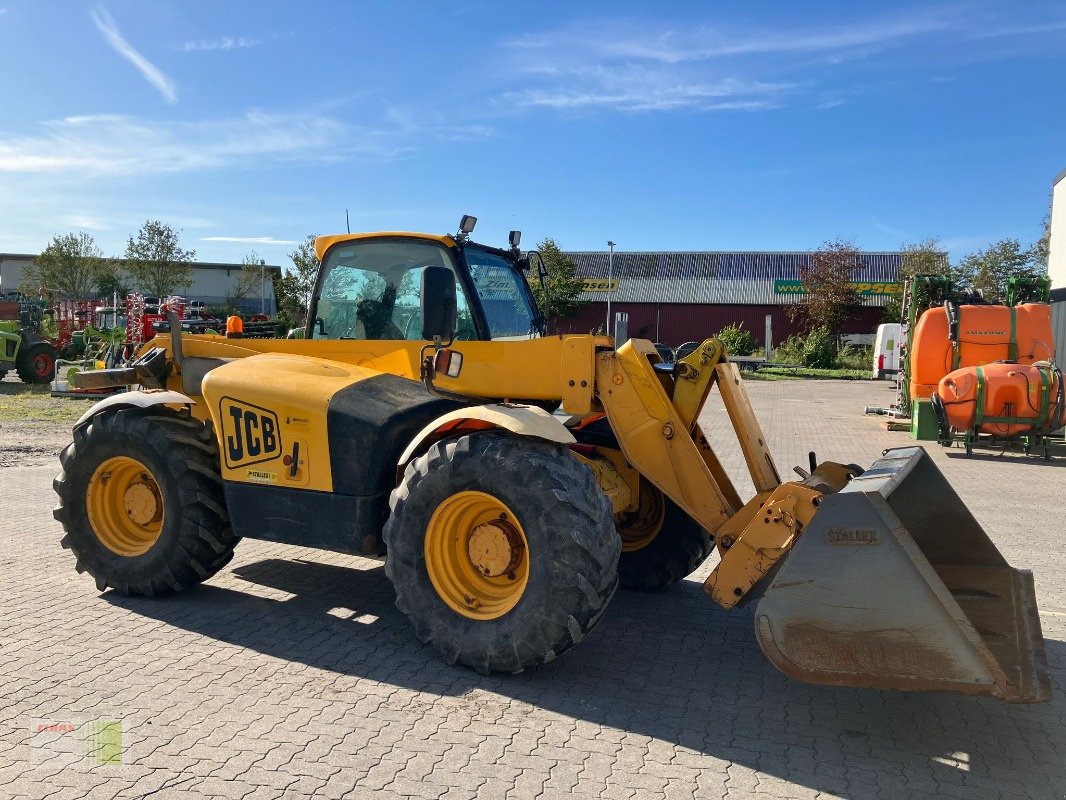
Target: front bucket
894	585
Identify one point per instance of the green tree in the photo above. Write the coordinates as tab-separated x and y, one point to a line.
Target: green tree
988	270
294	286
113	282
155	260
926	257
247	283
828	294
71	265
563	284
1042	247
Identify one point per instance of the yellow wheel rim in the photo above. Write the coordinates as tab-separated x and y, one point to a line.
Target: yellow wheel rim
639	529
477	555
124	506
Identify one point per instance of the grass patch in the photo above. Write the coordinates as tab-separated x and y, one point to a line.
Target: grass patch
807	373
20	402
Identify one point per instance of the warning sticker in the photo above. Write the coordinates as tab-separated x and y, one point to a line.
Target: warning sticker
262	476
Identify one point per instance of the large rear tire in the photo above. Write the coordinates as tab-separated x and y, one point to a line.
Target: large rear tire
141	502
502	550
36	363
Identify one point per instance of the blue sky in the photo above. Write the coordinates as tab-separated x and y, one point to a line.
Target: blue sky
680	126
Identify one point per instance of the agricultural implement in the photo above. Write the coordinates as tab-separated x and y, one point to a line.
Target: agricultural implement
22	347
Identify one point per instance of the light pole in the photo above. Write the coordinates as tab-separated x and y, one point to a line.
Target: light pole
262	286
610	273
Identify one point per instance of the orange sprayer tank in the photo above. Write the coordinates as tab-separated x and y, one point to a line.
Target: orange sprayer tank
1003	399
984	337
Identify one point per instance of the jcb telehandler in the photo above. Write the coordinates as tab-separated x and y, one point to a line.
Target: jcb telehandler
409	423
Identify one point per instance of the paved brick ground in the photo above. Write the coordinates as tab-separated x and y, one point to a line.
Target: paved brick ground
291	674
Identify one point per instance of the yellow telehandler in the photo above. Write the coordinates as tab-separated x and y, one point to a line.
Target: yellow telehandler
412	421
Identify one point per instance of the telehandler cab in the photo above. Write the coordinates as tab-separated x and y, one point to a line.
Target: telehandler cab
408	424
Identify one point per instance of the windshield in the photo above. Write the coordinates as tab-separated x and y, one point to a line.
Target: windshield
371	290
504	297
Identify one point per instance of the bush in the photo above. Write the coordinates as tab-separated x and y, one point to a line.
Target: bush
218	312
854	357
817	349
820	349
790	351
737	341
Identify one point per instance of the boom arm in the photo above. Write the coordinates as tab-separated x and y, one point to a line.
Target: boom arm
654	417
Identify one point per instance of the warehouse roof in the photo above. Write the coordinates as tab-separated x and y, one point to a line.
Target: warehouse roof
194	264
718	277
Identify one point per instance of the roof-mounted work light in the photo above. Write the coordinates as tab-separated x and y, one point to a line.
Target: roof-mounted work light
514	238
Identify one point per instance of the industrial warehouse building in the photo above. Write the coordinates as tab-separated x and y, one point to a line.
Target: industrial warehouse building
211	282
670	297
1057	265
681	297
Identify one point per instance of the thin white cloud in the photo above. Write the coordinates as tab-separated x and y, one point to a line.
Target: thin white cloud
152	74
649	65
427	122
889	230
629	42
679	97
88	223
638	87
124	145
1021	30
105	144
967	243
221	43
249	240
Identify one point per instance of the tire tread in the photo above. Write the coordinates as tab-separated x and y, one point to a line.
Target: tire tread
558	495
204	540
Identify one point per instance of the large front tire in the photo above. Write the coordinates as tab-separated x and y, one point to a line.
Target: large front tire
502	550
141	502
661	544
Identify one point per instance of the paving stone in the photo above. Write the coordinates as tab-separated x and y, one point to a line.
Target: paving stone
249	687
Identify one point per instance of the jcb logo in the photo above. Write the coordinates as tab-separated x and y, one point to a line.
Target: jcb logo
250	434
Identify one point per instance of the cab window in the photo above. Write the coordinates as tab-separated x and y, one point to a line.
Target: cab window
371	290
503	295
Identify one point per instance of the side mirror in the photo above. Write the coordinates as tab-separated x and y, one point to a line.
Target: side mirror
439	309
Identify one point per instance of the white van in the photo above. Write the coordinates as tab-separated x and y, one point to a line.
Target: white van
886	350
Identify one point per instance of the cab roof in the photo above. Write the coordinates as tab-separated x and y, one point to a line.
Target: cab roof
323	243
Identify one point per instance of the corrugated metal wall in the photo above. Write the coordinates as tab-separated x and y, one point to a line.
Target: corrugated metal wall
749	278
1058	327
694	322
